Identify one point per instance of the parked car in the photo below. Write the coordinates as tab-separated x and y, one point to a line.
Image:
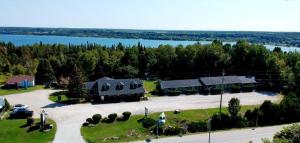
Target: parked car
20	106
20	113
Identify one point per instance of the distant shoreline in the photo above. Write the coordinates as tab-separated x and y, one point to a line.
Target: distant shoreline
288	39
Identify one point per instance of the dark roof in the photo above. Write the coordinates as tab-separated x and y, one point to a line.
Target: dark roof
19	78
218	80
179	83
109	86
245	79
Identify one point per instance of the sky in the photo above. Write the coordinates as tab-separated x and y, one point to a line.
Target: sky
225	15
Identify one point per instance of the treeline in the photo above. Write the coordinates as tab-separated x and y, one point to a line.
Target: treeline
273	38
276	69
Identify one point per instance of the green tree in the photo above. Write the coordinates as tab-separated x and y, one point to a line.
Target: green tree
45	73
234	107
76	87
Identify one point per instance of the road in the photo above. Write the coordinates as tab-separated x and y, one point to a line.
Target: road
232	136
69	118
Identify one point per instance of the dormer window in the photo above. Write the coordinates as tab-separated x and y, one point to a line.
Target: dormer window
105	86
133	85
120	86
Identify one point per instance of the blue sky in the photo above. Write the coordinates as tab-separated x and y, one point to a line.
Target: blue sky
233	15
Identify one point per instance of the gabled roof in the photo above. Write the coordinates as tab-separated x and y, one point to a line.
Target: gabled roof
217	80
245	79
179	83
112	86
19	78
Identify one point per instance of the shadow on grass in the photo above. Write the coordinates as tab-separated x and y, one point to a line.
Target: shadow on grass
34	127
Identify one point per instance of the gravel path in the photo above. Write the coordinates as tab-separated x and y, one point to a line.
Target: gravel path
70	117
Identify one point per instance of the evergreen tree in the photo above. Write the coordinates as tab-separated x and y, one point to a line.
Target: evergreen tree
45	73
234	107
76	86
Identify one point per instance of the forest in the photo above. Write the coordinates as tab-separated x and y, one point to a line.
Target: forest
275	70
272	38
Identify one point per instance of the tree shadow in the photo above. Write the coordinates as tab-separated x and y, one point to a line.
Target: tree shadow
267	93
34	127
54	105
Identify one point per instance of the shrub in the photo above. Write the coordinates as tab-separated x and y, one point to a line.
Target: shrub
197	127
89	120
220	121
252	116
290	134
85	124
126	116
270	113
111	118
235	88
96	118
170	130
148	122
30	121
234	107
174	93
160	130
215	91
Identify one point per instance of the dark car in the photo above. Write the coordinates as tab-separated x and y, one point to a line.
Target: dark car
21	113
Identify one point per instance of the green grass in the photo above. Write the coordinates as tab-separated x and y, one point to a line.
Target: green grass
149	86
20	90
53	97
121	130
12	131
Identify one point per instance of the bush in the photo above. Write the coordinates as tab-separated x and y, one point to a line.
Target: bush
248	88
270	113
290	134
160	130
111	118
170	130
126	116
197	127
173	93
235	88
30	121
85	124
222	121
96	118
148	122
89	120
215	91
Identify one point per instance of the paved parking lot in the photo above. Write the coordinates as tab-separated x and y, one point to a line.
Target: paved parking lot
70	117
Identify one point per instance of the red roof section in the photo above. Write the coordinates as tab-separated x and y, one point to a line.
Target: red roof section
19	78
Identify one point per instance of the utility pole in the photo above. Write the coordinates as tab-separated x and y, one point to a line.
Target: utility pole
222	86
209	128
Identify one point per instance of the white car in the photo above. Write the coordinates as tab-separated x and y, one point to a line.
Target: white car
20	106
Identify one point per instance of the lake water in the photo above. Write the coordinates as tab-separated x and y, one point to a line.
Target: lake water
20	40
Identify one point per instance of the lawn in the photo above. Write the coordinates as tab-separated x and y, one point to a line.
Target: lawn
132	130
13	131
149	86
21	90
53	97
